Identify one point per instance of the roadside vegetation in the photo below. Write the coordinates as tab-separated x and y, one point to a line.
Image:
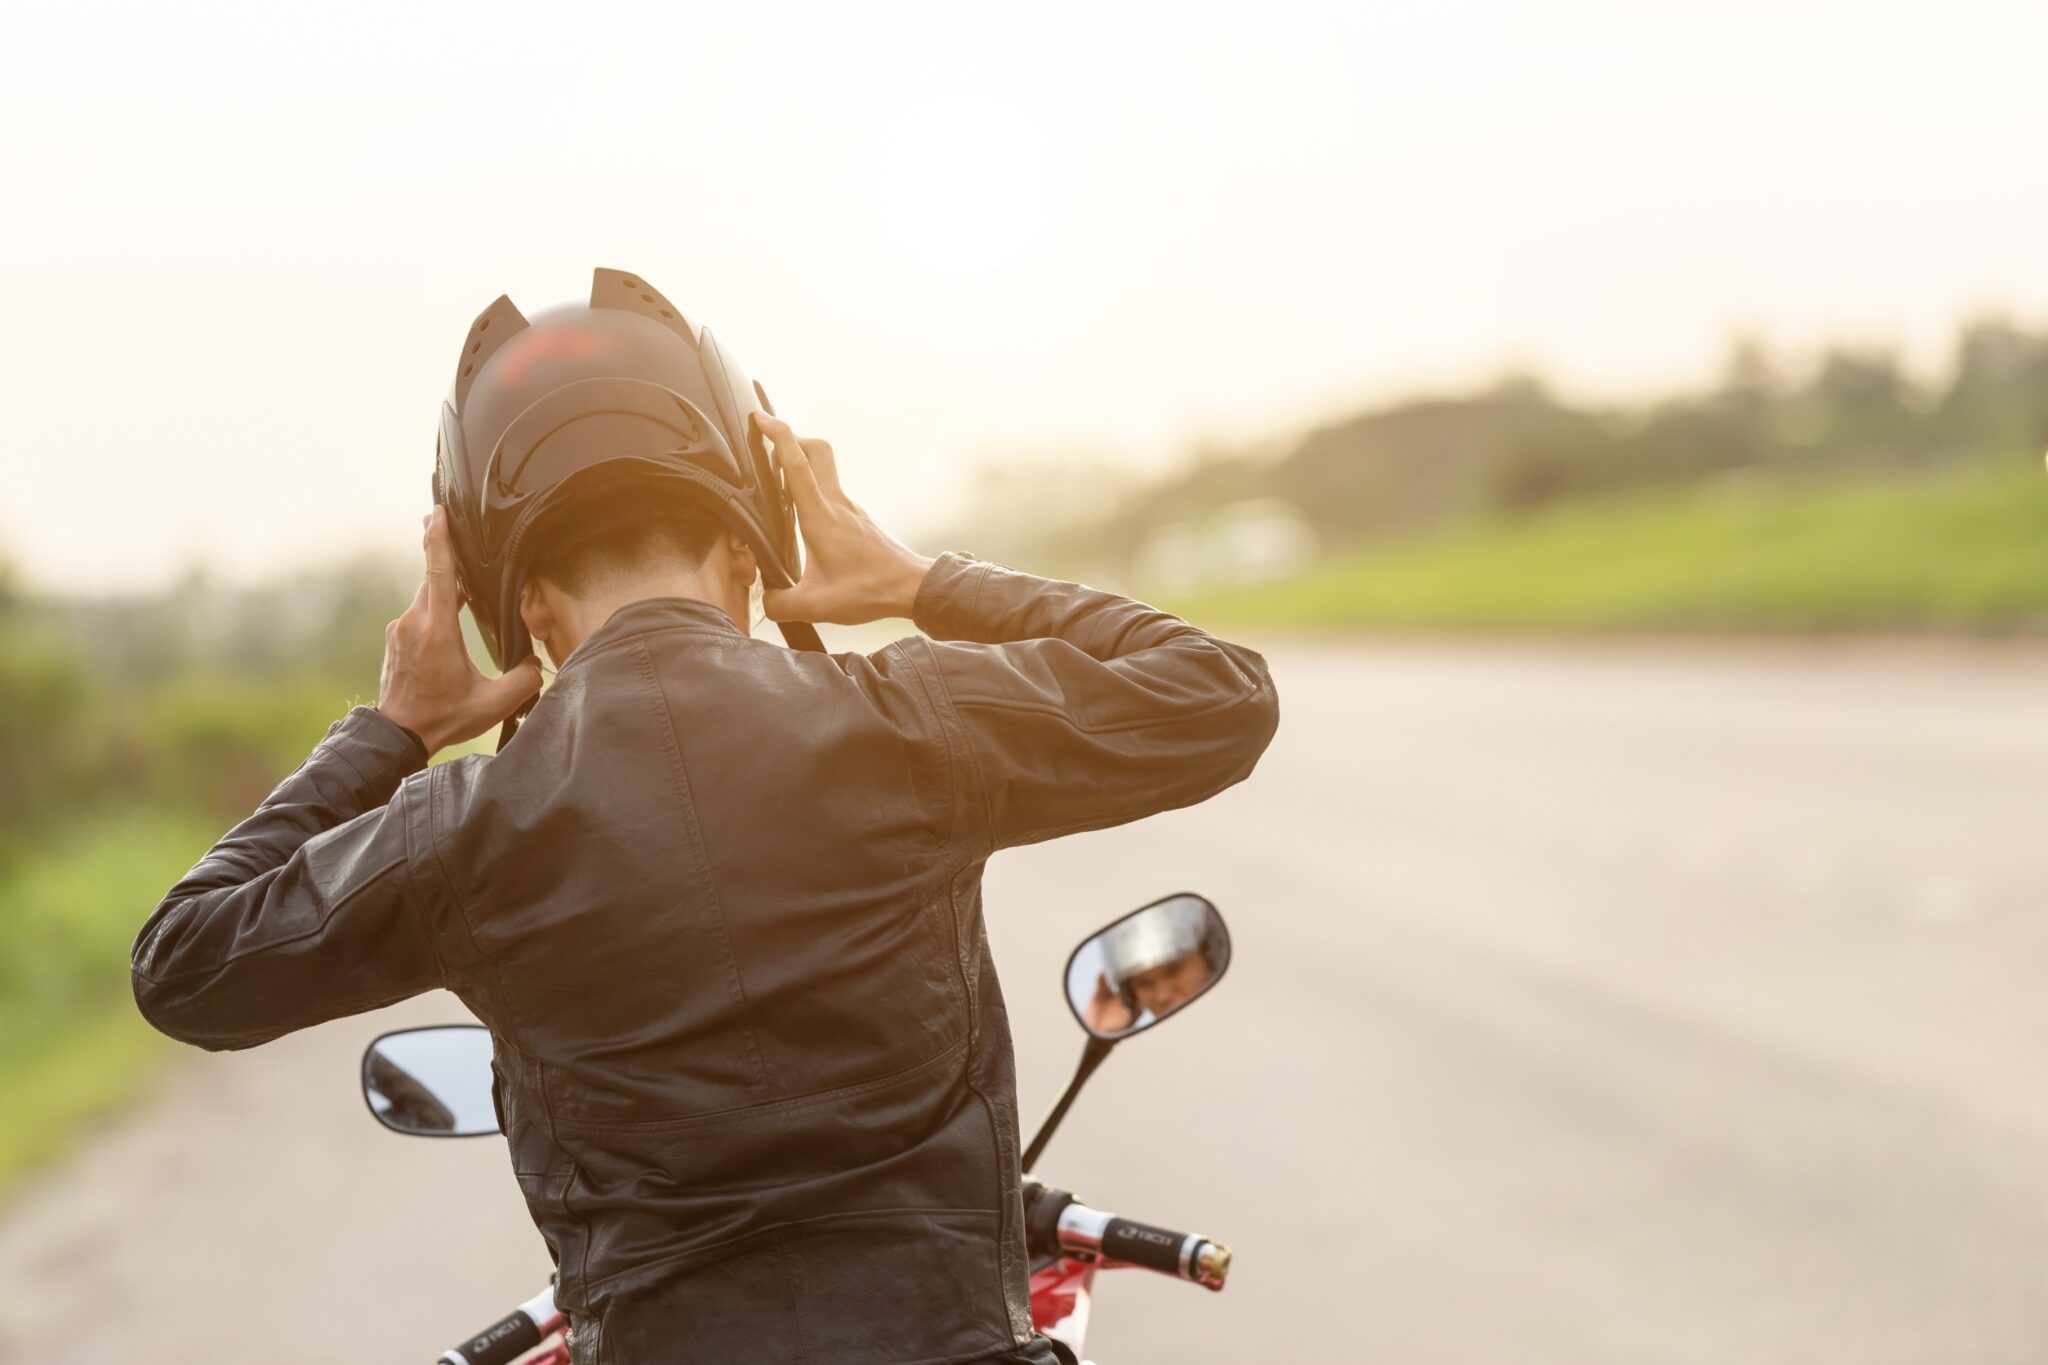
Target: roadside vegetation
134	731
1963	550
1844	494
71	1044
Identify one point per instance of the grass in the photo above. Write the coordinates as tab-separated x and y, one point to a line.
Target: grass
72	1046
1963	552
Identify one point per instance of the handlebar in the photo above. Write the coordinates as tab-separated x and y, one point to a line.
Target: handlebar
1056	1223
511	1336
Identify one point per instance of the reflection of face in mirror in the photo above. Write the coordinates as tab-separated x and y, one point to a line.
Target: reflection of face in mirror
1146	966
432	1082
1165	988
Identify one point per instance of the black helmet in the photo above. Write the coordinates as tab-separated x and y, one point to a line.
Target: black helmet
578	402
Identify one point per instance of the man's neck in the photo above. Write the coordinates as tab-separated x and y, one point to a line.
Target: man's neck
581	616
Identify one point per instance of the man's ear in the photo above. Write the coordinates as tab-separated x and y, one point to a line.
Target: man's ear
744	565
535	611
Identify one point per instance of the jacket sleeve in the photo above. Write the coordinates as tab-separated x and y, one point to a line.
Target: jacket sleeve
304	912
1081	709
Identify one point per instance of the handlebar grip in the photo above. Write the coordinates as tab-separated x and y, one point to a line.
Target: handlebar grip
503	1342
1085	1231
1126	1239
510	1337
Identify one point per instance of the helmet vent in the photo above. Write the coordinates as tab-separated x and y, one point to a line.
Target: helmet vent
614	289
501	311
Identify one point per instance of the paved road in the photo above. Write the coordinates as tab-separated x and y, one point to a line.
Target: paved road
1592	1006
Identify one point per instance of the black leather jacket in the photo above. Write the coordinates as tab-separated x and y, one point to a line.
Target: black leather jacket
720	904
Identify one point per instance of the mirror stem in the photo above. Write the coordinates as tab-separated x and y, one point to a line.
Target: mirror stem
1091	1058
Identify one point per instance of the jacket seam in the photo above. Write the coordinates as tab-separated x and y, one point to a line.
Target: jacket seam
1006	1153
679	779
1006	1158
766	1107
793	1281
247	1038
984	570
727	635
572	1176
414	892
1116	727
256	950
333	746
928	711
985	836
781	1229
953	733
936	711
455	896
969	982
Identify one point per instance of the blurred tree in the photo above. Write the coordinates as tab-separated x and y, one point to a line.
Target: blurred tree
1865	396
44	745
1749	373
1997	397
1512	447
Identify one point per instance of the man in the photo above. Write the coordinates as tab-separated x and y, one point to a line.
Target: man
718	900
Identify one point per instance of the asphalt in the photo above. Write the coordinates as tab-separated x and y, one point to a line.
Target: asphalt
1636	1005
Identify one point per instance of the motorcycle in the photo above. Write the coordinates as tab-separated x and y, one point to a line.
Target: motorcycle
1133	974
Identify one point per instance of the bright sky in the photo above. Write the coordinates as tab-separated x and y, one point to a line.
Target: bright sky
243	243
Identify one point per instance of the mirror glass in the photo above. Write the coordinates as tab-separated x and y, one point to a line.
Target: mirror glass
432	1082
1147	965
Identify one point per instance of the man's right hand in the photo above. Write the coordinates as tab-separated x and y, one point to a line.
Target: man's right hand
430	685
854	571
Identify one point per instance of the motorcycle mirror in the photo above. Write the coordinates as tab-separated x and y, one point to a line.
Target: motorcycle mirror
1148	966
432	1082
1133	973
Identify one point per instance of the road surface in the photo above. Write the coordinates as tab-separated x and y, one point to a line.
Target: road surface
1591	1005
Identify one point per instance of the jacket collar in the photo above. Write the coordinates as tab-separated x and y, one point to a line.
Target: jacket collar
655	613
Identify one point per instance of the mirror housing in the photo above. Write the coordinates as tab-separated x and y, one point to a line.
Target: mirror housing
432	1082
1148	966
1136	972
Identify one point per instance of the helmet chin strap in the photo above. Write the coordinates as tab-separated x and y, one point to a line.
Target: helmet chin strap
801	635
796	634
511	725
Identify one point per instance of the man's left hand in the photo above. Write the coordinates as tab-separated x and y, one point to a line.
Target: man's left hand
854	571
430	685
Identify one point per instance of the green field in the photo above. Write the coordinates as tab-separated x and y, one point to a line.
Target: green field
72	1046
1965	551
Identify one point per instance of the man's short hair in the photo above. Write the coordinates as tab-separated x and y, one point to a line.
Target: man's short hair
621	535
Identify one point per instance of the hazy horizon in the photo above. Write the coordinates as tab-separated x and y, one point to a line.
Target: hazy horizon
1118	233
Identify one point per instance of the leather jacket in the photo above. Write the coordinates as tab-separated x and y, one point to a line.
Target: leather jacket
719	903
